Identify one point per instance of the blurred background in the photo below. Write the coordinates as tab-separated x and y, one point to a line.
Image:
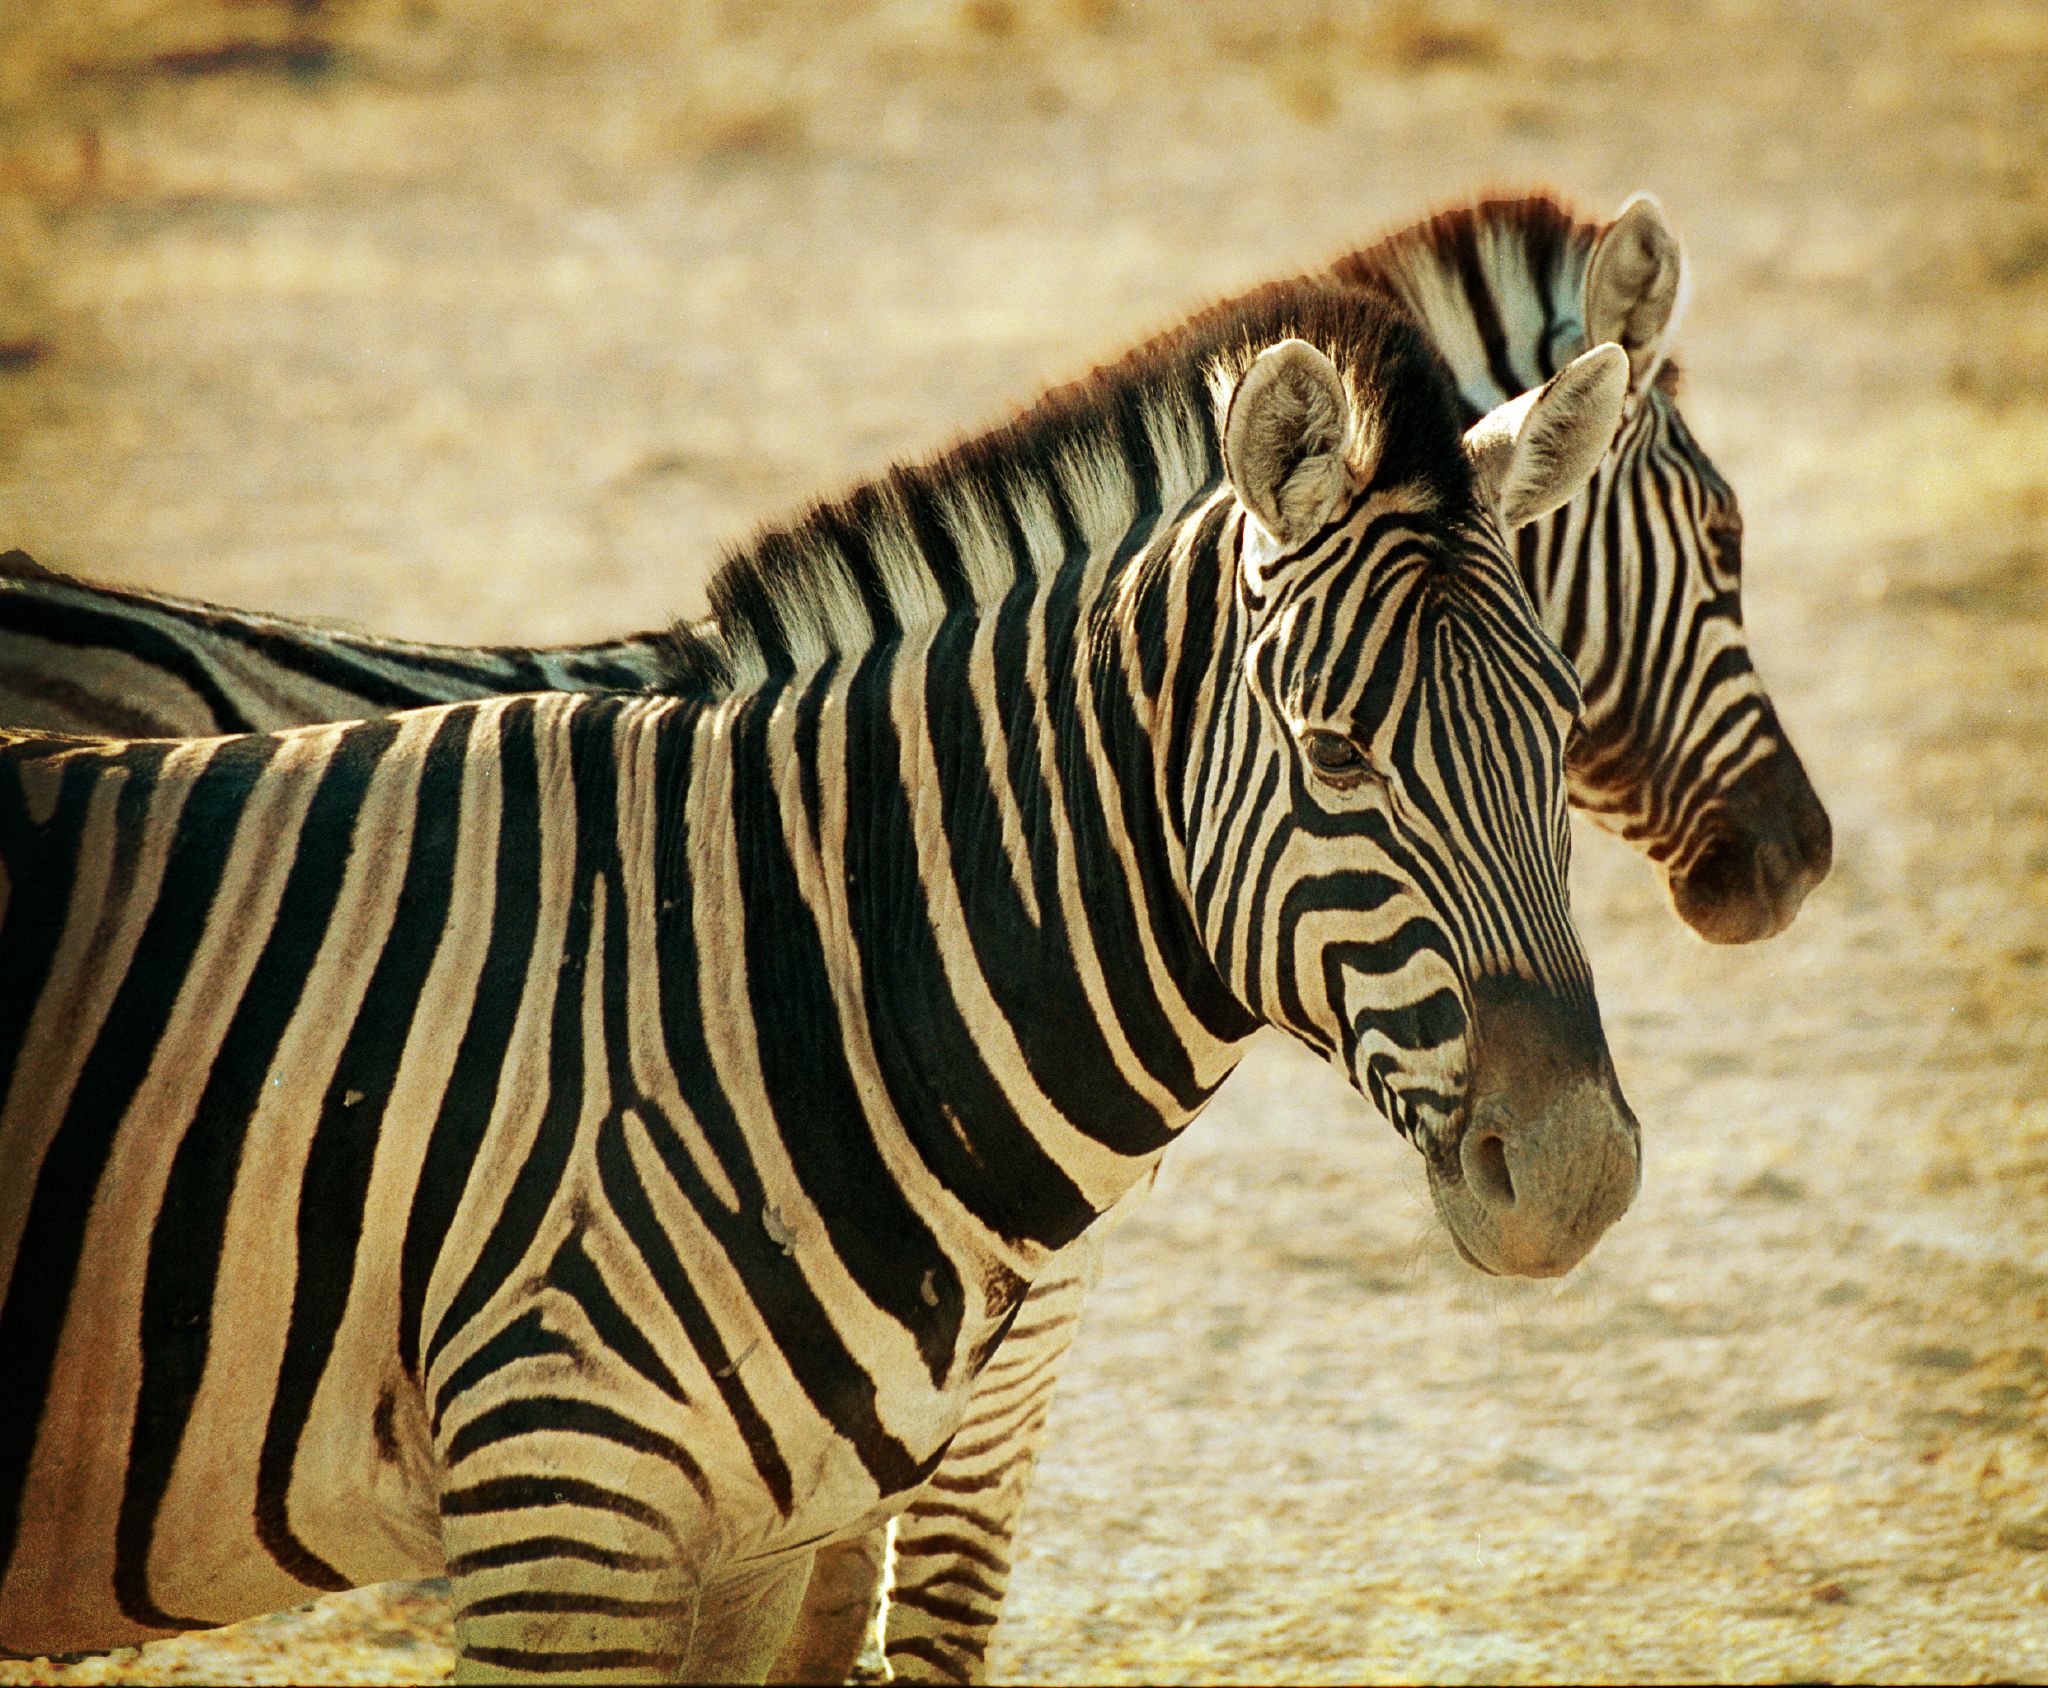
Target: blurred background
496	320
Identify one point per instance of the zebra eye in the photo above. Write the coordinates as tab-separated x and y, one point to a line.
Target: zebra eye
1337	758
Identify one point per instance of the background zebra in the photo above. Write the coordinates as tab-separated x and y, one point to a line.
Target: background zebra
804	1021
1638	578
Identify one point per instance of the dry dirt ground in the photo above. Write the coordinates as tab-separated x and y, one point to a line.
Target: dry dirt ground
486	321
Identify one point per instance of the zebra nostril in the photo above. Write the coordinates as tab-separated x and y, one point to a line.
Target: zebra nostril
1727	895
1485	1159
1725	872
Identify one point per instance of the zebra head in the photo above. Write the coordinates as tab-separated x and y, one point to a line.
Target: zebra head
1376	822
1679	750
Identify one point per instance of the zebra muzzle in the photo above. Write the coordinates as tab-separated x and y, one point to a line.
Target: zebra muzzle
1549	1155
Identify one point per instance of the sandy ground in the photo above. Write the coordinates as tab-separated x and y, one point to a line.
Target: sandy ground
485	321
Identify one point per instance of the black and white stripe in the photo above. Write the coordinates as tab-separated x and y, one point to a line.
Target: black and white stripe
1638	580
594	1143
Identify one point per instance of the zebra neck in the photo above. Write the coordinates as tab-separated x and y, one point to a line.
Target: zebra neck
934	881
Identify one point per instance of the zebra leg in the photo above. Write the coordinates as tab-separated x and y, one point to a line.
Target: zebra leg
839	1610
744	1619
952	1555
566	1580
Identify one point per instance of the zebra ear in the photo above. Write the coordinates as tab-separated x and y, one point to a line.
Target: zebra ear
1283	440
1535	452
1636	286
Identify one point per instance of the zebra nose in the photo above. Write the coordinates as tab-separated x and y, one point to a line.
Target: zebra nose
1774	844
1550	1155
1539	1193
1739	890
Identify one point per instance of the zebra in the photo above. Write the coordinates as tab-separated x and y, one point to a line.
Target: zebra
1638	579
1679	748
634	1120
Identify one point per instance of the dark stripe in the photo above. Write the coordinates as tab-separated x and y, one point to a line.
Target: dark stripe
592	839
1485	313
533	1549
472	1087
566	1601
957	1116
185	1249
531	1415
845	528
525	1338
885	1245
1115	1114
576	1275
643	1228
364	667
953	1611
1197	660
953	1662
42	861
951	1544
934	539
46	1264
336	1181
528	1494
549	1664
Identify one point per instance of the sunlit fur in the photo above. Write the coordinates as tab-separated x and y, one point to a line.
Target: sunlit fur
589	1144
1638	579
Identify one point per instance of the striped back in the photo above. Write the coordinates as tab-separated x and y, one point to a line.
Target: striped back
1680	750
114	661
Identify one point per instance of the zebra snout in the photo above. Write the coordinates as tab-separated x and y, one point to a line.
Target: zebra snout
1751	879
1549	1154
1741	890
1534	1195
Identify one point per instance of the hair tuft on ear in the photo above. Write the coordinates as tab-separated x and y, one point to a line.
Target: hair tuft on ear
1284	437
1636	286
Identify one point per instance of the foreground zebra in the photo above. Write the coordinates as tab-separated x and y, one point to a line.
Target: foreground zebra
1637	578
591	1144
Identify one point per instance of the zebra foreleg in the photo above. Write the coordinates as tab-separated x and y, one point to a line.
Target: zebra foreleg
953	1542
744	1620
840	1607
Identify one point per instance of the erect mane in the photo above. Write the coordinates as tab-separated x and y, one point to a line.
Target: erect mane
1063	479
1498	284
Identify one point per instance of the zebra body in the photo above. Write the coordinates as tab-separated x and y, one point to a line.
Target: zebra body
592	1145
1637	578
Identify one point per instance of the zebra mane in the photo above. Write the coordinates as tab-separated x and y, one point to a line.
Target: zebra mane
1499	286
1064	478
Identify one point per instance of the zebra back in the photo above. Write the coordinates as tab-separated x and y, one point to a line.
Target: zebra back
82	658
